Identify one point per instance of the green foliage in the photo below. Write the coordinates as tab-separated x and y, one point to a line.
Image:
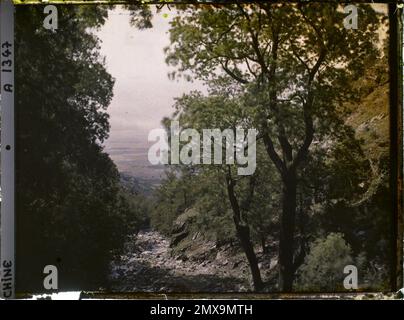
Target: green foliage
323	267
289	71
184	189
134	210
72	212
172	198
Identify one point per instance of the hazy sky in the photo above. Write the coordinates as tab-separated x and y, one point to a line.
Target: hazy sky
143	94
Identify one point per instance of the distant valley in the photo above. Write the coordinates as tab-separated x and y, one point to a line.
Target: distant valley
137	174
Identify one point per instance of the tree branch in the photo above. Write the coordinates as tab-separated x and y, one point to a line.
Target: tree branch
307	111
255	42
269	146
231	73
299	58
250	69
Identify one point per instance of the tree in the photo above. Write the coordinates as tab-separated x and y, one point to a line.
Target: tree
71	211
296	62
172	198
224	111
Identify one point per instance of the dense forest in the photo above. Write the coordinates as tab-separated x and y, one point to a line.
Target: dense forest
319	199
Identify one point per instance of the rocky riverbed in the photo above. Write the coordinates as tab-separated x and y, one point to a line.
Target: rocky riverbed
150	265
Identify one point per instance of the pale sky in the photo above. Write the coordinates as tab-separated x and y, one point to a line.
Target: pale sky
143	94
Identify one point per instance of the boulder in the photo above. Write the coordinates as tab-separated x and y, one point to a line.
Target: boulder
181	227
178	237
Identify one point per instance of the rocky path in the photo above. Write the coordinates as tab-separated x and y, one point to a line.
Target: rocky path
147	266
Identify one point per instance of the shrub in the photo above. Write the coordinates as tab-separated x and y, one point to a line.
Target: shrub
324	265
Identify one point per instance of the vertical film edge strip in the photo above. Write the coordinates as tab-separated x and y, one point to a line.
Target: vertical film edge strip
7	150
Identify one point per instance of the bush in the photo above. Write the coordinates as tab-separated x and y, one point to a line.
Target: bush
324	265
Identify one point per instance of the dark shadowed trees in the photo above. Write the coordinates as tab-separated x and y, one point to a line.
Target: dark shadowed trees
71	210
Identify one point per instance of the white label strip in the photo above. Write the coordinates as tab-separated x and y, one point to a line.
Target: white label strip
7	266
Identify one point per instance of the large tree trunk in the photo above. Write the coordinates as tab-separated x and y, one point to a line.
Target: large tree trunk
287	230
243	233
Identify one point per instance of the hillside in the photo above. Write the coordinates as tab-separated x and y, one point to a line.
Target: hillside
370	120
